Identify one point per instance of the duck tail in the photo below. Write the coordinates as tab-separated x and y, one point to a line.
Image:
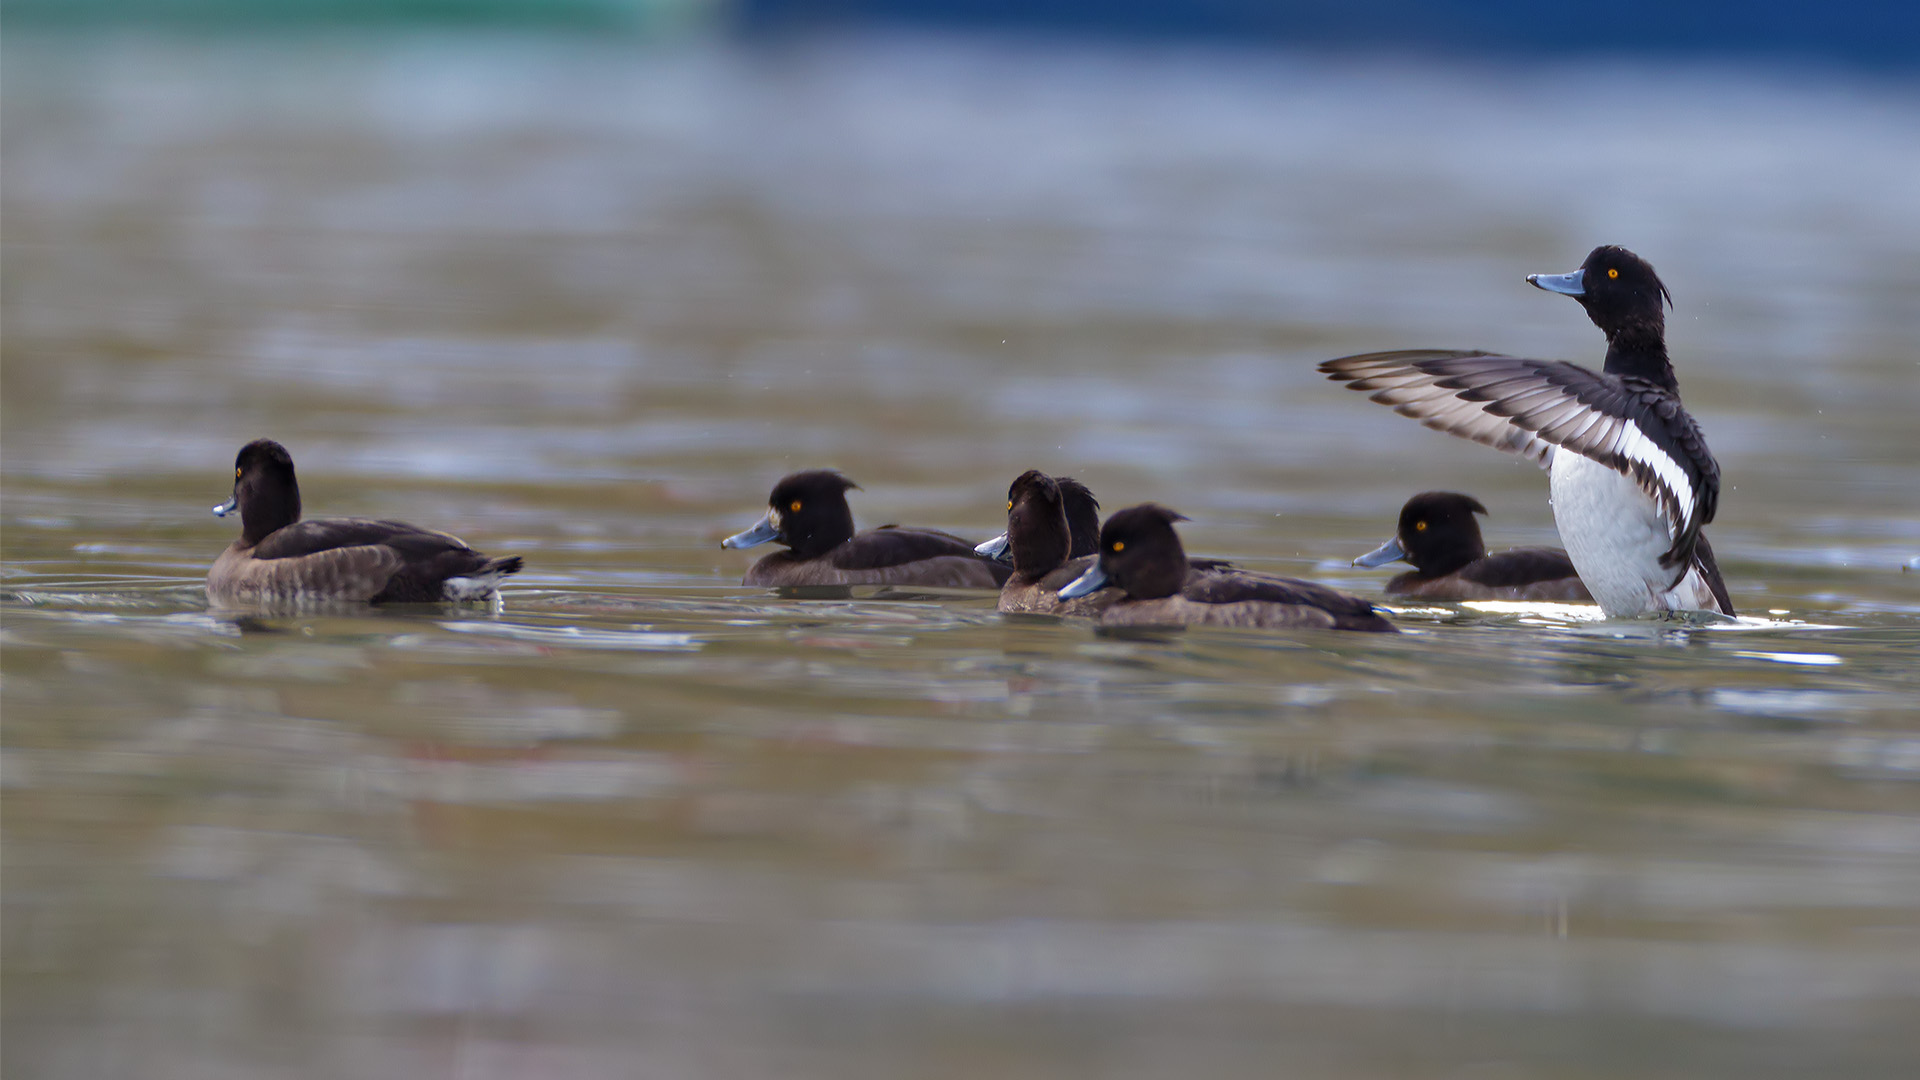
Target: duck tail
481	583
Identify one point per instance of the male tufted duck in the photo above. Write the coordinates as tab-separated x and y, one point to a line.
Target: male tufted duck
1141	554
1631	478
1440	537
279	557
808	513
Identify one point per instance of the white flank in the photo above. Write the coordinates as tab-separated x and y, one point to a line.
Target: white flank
1635	446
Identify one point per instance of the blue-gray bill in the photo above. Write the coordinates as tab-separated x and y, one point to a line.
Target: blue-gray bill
227	507
1573	284
762	532
1092	581
1391	551
999	549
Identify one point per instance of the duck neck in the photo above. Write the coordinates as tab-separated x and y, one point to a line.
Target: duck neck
1454	553
1639	350
1163	575
822	533
266	510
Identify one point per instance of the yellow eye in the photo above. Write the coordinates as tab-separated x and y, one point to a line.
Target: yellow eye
795	507
1009	504
1419	526
236	474
1613	273
1118	546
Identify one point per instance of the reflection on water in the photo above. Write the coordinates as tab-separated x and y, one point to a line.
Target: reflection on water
585	304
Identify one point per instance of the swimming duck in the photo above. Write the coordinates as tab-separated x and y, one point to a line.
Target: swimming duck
808	513
1039	574
279	557
1440	537
1141	554
1631	478
1053	529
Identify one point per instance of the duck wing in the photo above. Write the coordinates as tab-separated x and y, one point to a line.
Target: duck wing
327	534
1519	567
1234	586
895	545
1533	407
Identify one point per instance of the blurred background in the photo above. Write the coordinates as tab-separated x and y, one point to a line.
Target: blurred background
580	279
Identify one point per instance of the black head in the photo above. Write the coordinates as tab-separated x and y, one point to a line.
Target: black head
1083	516
810	513
1623	297
1141	553
1622	289
1037	531
1438	531
264	490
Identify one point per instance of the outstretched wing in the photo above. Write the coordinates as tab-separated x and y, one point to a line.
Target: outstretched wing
1530	407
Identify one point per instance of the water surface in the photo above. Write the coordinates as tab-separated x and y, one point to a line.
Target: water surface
585	302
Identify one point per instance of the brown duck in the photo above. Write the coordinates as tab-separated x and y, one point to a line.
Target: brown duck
279	557
808	513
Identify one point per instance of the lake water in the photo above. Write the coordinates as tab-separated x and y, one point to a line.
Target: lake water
585	301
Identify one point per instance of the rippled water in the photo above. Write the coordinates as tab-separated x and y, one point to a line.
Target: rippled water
585	302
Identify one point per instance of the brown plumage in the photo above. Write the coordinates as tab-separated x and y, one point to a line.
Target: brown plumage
808	513
280	558
1565	590
952	570
1141	553
1027	595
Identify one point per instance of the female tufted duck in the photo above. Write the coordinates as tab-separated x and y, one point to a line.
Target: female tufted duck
1440	537
279	557
1141	553
808	513
1053	529
1631	477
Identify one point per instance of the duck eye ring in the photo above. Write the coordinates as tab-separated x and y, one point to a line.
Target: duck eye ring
1119	545
794	506
1009	504
237	471
1419	526
1612	273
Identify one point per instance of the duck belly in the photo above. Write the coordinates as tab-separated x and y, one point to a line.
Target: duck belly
1615	535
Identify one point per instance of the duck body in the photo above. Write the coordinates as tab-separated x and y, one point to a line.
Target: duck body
356	559
1631	479
808	513
1534	574
280	558
1440	536
1024	594
885	556
1618	535
1141	555
1247	599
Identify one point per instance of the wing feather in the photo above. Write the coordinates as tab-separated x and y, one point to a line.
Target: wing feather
316	535
1528	407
